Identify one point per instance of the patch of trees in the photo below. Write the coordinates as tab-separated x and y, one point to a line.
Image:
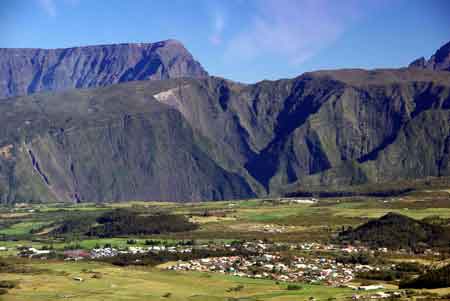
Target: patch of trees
293	287
357	258
396	231
127	222
403	271
436	278
120	222
385	275
74	225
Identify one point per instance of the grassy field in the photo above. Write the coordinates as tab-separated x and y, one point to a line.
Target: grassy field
136	283
235	220
22	228
133	283
57	281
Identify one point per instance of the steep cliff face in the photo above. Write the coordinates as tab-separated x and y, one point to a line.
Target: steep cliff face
26	71
384	126
208	139
115	143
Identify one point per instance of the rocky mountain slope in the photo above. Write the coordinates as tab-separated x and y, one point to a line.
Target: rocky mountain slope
114	143
209	139
26	71
191	139
439	61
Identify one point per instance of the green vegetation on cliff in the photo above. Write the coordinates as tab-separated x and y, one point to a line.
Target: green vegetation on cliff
212	139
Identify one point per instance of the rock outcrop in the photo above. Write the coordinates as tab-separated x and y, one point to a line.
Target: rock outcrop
440	61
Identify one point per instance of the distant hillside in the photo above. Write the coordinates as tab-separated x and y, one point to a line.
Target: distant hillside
26	71
396	231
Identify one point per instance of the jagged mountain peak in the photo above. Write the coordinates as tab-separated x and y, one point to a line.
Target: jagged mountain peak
439	61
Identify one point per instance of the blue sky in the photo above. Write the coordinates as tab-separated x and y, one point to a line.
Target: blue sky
243	40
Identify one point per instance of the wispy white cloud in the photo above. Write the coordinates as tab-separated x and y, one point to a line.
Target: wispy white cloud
48	6
218	24
293	29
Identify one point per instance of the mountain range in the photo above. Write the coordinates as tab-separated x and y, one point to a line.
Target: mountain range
152	125
27	71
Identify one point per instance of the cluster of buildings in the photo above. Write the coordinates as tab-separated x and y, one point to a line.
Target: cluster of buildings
32	252
268	266
101	252
254	259
377	295
111	252
298	201
258	247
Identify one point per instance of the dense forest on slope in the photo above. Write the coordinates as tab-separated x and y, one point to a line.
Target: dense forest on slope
396	231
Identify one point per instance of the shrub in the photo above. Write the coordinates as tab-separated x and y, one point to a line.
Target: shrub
293	287
7	284
238	288
151	242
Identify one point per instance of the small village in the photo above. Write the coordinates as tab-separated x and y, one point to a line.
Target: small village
262	260
300	269
313	271
258	247
267	264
